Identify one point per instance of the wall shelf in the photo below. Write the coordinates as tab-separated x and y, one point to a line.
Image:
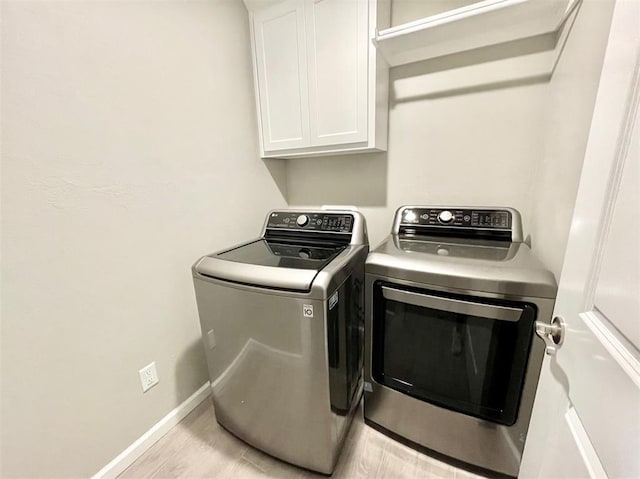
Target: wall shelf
481	24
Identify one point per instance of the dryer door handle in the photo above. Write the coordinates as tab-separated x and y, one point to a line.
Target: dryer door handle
501	313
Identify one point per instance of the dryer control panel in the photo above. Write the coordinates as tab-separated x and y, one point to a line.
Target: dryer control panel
311	221
491	223
457	217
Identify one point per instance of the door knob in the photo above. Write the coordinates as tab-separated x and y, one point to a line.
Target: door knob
552	334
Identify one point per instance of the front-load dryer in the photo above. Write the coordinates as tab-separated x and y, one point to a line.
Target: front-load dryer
282	320
451	357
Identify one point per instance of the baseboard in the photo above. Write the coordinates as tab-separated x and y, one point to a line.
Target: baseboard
149	438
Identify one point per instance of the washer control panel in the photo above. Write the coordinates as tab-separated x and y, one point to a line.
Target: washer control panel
491	219
307	221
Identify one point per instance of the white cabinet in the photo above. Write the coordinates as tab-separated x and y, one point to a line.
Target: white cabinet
320	87
281	73
337	37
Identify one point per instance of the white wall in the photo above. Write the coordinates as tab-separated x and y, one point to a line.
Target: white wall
571	98
472	148
129	148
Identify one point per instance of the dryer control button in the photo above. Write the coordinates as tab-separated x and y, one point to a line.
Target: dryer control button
302	220
445	216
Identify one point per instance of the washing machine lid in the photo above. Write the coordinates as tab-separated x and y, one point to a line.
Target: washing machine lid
470	265
272	264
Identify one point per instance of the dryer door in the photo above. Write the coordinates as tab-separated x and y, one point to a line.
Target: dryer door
461	353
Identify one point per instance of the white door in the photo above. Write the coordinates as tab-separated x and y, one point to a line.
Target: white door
586	418
281	67
337	50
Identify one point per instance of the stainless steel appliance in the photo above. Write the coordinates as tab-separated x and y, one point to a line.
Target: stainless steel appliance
282	320
451	358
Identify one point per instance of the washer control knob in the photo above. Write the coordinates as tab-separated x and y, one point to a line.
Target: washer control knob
445	217
302	220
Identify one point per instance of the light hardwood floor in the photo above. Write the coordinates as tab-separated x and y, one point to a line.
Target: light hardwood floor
198	447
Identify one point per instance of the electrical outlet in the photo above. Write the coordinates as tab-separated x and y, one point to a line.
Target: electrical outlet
212	339
148	376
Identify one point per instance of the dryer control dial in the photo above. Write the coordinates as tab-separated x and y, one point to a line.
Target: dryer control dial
445	216
302	220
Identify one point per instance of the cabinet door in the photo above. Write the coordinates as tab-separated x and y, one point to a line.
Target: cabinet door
337	48
281	66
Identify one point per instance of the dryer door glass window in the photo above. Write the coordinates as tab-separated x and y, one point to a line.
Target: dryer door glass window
455	352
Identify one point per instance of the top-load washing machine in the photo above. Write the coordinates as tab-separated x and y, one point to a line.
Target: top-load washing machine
282	320
451	357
